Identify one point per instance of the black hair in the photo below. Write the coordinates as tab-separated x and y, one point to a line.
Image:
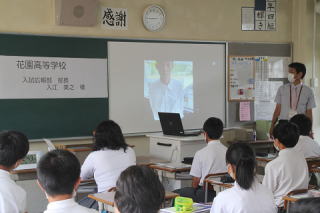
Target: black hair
306	205
287	133
58	171
14	146
108	135
303	122
299	67
243	158
139	190
213	127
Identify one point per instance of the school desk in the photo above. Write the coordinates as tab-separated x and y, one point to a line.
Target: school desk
215	181
106	199
173	178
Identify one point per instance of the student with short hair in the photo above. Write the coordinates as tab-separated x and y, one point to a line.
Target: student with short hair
208	160
306	145
112	155
289	171
247	195
306	205
138	190
14	146
58	174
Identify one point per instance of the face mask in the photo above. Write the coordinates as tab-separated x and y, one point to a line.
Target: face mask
277	148
291	77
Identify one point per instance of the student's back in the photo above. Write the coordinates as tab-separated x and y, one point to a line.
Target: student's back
111	157
58	174
12	196
237	200
306	145
106	166
247	195
13	148
289	171
208	160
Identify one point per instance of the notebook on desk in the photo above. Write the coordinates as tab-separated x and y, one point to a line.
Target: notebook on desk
171	124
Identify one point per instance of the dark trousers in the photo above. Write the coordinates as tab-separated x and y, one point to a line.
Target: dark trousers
197	195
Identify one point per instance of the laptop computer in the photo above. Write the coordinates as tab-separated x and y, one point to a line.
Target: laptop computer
171	124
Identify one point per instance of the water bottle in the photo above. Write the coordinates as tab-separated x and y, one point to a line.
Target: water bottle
254	135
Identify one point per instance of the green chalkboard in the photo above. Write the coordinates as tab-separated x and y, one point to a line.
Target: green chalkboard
52	118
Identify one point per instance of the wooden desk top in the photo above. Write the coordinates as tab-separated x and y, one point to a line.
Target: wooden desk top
108	197
215	180
24	171
104	197
167	169
149	160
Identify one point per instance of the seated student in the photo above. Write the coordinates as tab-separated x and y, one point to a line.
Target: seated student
289	171
208	160
111	156
138	190
247	195
58	174
307	205
14	146
308	147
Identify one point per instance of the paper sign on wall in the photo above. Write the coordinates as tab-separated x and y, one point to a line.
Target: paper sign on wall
244	111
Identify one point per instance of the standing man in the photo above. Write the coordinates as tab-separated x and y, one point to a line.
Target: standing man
293	98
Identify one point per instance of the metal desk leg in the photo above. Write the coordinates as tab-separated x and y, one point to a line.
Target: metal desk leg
206	192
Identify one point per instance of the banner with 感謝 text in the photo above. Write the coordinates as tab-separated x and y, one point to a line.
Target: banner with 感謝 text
24	77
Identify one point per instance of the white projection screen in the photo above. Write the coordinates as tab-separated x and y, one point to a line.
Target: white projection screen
147	77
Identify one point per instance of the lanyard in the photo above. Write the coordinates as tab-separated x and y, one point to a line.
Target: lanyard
298	97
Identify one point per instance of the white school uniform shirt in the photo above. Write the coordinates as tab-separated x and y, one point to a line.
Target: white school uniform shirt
238	200
288	172
67	206
12	196
106	166
209	160
308	147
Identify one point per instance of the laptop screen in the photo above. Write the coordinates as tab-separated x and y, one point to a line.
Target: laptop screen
171	123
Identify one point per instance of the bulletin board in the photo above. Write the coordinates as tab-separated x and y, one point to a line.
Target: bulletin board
241	75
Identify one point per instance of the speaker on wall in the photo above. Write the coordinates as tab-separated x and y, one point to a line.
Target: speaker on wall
76	12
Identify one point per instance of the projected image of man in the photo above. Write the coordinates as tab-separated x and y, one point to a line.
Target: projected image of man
166	94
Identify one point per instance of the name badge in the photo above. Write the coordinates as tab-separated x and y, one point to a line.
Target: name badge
292	113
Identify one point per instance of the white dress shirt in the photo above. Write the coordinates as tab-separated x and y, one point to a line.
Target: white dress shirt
308	147
166	98
237	200
288	172
12	196
106	166
67	206
209	160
